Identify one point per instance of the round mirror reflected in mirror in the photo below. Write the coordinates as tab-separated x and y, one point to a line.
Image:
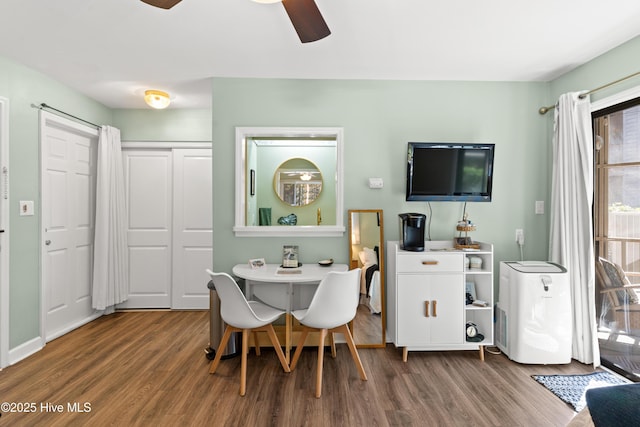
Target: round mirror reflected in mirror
297	182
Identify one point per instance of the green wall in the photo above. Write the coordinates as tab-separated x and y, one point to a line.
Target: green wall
379	118
608	67
192	125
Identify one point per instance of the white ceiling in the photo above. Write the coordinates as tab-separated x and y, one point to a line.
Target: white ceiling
112	50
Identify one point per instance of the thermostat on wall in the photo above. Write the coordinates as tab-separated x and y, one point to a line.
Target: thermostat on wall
375	183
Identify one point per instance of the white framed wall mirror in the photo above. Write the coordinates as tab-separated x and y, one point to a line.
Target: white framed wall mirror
289	182
366	252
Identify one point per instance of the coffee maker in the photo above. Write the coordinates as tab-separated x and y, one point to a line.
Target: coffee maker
412	230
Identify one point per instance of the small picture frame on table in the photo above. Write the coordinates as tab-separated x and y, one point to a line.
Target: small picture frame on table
290	256
257	263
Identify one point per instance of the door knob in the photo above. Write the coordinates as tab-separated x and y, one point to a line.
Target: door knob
47	242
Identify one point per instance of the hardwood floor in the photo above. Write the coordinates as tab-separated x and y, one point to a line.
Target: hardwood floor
367	327
149	368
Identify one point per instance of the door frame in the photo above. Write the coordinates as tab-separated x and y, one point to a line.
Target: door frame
4	236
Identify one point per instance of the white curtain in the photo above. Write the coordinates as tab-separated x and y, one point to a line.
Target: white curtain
571	238
110	261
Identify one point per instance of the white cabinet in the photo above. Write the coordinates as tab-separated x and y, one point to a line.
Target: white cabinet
427	307
430	303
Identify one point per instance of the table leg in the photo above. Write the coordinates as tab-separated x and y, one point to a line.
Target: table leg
288	326
288	329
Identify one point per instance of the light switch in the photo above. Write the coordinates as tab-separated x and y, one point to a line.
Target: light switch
539	207
26	207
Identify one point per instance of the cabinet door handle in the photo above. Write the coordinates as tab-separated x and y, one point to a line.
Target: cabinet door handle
432	262
426	309
435	314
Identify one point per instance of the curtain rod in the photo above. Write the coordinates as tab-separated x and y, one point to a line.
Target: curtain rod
544	110
48	107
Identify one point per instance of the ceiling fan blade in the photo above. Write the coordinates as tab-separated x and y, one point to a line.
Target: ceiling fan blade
306	19
163	4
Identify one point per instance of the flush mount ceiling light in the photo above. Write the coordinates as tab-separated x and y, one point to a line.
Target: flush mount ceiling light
156	99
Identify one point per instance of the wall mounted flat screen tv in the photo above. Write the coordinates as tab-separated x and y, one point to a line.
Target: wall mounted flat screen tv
449	172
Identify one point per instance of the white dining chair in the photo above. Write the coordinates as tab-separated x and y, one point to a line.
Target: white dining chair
244	316
333	306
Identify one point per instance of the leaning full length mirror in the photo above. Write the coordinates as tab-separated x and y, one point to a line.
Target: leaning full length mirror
289	182
366	251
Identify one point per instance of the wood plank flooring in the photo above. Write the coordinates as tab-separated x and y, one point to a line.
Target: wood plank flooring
149	368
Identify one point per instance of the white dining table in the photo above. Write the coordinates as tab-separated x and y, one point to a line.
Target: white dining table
285	288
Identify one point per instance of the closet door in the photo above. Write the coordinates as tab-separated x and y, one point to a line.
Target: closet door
169	196
192	227
149	180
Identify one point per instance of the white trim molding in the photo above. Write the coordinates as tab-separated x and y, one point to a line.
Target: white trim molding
617	98
4	234
165	144
240	228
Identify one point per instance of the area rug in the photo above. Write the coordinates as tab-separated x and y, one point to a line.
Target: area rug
572	388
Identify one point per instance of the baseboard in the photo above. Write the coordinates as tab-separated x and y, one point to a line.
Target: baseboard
75	325
34	345
25	350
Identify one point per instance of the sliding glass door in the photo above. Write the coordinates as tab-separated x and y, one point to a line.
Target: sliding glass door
617	235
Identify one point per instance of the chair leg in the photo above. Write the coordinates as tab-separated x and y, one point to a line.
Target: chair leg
243	362
332	341
354	351
276	346
323	334
296	355
223	344
256	343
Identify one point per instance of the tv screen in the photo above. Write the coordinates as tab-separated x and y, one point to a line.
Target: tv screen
449	172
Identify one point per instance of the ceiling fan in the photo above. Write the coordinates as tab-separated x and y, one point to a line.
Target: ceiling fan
304	15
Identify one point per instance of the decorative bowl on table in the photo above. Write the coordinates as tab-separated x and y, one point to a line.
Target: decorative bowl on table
326	262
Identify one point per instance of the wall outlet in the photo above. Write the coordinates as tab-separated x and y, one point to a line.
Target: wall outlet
520	236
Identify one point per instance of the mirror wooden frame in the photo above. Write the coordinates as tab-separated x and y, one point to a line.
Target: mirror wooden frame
381	267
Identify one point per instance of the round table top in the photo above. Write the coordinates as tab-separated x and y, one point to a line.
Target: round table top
275	273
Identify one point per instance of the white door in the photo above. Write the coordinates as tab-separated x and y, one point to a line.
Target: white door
68	153
148	188
192	227
169	196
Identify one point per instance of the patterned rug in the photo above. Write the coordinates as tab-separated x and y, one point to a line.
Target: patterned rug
572	388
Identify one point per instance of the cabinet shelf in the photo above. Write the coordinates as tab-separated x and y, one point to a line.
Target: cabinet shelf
476	307
471	271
